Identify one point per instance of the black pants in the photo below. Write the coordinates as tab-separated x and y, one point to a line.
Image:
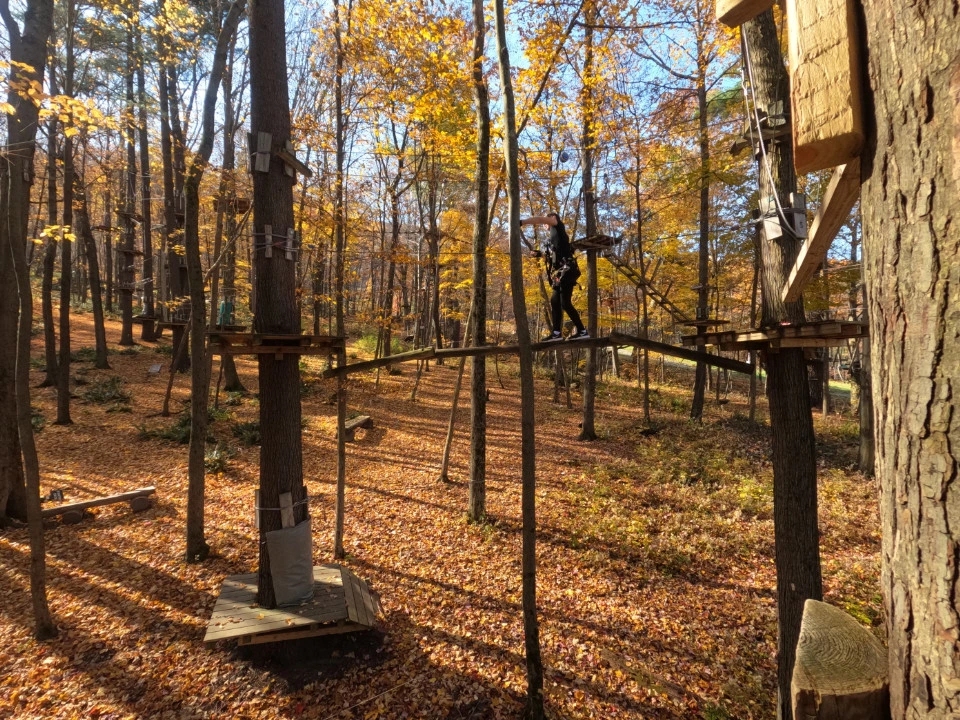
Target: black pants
560	302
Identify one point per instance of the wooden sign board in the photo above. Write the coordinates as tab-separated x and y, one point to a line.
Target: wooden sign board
824	83
733	13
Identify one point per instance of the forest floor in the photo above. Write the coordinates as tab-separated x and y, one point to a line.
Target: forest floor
656	584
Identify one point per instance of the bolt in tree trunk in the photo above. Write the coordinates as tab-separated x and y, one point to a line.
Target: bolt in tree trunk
796	533
911	251
28	49
587	430
477	499
281	454
528	464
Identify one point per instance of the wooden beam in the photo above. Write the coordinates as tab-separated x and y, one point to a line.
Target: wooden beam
824	82
421	354
841	668
841	195
733	13
96	502
681	352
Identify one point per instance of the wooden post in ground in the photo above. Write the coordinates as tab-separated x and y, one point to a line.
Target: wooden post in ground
841	668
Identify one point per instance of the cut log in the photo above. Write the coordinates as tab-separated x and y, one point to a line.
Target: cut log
73	512
824	83
841	668
733	13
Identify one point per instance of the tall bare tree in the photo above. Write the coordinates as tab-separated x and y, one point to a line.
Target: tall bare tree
528	463
28	48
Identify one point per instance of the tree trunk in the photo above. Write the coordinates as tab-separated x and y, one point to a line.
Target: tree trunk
587	429
531	628
911	251
29	50
703	265
796	532
477	493
148	329
66	247
50	257
196	546
281	454
126	277
85	234
340	260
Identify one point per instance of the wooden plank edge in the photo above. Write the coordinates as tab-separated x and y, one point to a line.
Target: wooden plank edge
838	200
349	598
297	634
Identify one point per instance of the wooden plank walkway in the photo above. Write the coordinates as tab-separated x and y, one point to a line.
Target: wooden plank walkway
826	333
341	603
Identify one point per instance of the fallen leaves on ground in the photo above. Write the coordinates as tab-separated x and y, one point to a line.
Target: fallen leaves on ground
656	585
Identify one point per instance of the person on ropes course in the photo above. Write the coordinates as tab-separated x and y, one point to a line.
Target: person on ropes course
563	271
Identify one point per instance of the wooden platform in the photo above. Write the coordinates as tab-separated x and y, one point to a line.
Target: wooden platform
341	603
825	333
595	242
238	343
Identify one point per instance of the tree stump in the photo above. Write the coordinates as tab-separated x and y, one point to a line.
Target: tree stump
841	668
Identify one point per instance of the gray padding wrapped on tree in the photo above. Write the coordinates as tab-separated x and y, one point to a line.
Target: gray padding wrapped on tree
291	563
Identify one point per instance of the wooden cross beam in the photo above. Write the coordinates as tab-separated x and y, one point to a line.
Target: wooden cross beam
842	193
733	13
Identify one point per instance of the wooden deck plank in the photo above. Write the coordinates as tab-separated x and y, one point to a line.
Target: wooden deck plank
236	613
368	603
359	589
350	597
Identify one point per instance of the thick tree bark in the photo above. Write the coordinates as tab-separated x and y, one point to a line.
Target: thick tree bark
528	465
911	250
796	532
281	454
477	493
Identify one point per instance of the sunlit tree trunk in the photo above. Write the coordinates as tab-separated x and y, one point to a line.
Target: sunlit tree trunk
66	247
148	329
85	235
29	50
50	255
477	499
703	264
528	465
587	429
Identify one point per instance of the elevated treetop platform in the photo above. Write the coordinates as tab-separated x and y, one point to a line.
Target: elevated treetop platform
826	333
